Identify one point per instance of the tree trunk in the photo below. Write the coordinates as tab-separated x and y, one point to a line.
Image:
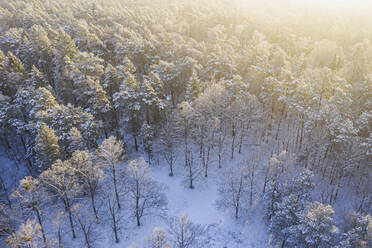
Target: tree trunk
207	161
115	185
233	140
86	237
94	206
251	192
137	205
171	165
237	211
27	159
135	142
68	208
59	236
190	175
186	145
36	210
242	134
116	231
219	160
283	244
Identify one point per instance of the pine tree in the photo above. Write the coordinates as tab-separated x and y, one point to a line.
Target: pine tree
129	101
284	224
317	226
193	88
14	71
62	118
111	81
75	141
46	146
358	232
303	185
36	78
40	49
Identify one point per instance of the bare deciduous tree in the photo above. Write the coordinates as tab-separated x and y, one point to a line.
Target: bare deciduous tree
193	170
168	143
6	222
233	190
28	235
61	179
185	118
115	217
86	224
146	195
31	196
89	172
158	239
110	154
186	234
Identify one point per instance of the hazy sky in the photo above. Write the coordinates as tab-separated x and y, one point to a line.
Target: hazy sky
321	3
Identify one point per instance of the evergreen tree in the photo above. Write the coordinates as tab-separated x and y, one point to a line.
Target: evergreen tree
193	88
46	147
128	100
75	140
358	232
284	224
317	226
14	71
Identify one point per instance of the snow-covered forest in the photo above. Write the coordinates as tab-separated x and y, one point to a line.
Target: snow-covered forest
185	124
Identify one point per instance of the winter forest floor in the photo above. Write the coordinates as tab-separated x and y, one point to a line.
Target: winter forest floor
199	204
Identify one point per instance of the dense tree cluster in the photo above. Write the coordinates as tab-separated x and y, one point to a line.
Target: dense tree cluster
189	81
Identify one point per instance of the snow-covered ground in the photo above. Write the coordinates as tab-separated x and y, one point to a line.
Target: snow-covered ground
199	204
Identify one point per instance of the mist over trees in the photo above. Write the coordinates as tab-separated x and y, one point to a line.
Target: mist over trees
94	93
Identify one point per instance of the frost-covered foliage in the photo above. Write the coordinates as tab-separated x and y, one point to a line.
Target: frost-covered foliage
200	86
